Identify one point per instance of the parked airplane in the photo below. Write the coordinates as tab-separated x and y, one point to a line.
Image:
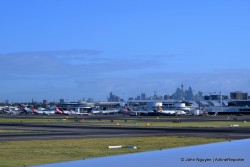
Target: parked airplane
17	110
140	112
165	112
68	112
24	110
109	111
43	111
12	110
64	112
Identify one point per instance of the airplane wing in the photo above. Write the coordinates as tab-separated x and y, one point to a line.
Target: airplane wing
231	154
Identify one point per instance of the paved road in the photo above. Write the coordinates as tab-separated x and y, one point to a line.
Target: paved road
66	131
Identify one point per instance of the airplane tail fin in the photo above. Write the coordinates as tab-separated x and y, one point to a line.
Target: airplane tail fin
58	111
129	109
159	108
22	108
125	110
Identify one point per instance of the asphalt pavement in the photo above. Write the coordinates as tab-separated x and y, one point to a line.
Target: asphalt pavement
71	131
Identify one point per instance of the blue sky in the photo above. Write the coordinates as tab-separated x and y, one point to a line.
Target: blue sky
71	49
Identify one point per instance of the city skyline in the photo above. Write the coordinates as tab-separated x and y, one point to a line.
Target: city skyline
75	49
181	93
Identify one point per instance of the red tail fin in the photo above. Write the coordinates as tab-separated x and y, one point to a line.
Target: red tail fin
58	111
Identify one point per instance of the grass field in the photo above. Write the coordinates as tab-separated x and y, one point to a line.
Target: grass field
184	124
17	131
176	122
33	152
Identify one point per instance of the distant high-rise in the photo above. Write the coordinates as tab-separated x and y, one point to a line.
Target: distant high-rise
166	97
130	98
61	101
179	93
238	95
7	102
189	95
155	95
182	87
114	98
199	96
45	102
143	96
138	98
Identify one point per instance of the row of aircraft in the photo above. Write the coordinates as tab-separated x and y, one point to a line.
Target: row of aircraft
24	110
156	111
126	111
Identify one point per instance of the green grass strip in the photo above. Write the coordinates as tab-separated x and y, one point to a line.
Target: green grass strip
34	152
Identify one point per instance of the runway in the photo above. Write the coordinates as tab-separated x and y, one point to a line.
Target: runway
71	131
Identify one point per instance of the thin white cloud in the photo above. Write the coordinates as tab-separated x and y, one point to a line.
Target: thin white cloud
71	52
97	75
73	63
